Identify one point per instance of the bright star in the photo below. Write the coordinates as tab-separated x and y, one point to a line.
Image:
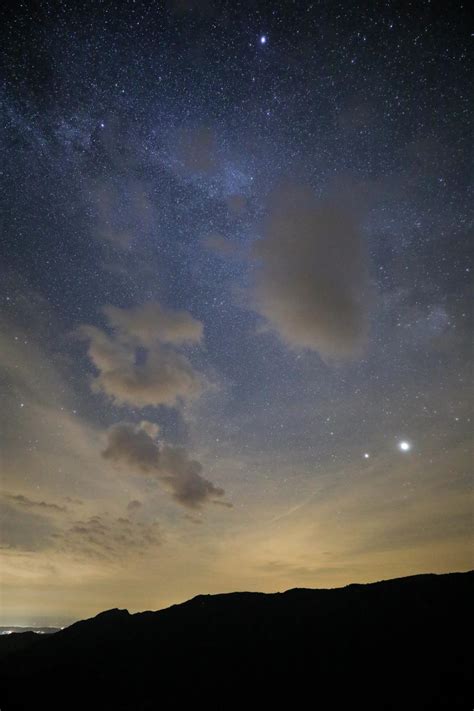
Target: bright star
404	446
366	455
263	39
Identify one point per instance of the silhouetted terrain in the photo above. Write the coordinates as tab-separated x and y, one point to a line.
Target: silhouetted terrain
398	644
7	629
16	642
18	638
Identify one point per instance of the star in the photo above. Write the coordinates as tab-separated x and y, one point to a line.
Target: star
404	446
366	455
263	39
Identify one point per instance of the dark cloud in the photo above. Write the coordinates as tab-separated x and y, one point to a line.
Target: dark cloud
311	281
133	446
25	502
225	504
163	375
72	500
134	505
183	477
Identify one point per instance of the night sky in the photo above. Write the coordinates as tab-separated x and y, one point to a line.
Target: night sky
234	299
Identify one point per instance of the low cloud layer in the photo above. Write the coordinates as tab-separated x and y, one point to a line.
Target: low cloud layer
22	529
311	281
134	447
27	503
139	363
30	526
108	538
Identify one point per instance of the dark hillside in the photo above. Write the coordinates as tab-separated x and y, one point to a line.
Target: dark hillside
400	644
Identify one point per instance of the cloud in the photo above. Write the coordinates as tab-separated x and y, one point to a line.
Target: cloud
139	363
152	322
183	476
107	538
23	530
166	378
72	500
134	505
225	504
24	501
46	448
150	428
311	280
101	537
133	446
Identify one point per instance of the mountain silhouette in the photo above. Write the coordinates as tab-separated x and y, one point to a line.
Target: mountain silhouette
396	644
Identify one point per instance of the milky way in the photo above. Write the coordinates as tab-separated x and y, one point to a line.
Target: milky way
234	299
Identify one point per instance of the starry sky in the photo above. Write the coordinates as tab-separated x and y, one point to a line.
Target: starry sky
234	299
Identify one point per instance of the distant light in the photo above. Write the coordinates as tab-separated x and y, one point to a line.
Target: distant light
263	39
404	446
366	455
102	124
